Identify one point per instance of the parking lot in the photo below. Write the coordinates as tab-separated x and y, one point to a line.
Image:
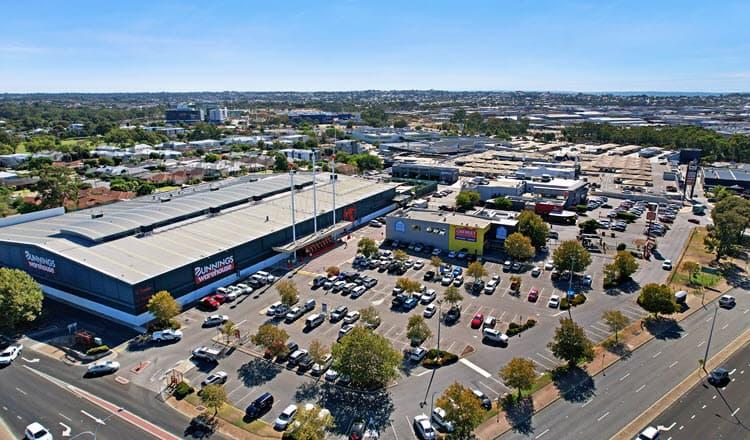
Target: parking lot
250	376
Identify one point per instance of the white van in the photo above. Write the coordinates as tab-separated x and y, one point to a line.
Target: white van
315	320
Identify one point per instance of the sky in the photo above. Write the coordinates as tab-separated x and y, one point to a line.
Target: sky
170	45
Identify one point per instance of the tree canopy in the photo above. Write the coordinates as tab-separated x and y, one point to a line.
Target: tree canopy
571	344
288	292
417	329
615	320
367	247
163	306
367	358
309	424
657	298
271	338
20	298
570	255
467	199
462	409
518	246
476	270
519	373
534	227
452	295
213	397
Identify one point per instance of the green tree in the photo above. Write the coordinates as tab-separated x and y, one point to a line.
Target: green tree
589	226
692	268
20	298
271	338
288	292
476	270
518	246
571	344
616	321
503	203
622	267
473	124
56	185
519	373
368	162
228	329
369	316
213	397
417	330
400	123
459	116
452	295
309	424
436	262
408	285
280	163
570	255
367	358
400	256
367	247
317	351
725	234
211	157
534	227
657	298
164	307
145	189
462	409
467	199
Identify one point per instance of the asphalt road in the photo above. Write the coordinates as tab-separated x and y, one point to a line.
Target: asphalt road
710	412
602	405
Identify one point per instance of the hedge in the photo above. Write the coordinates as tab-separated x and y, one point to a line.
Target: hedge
431	359
621	247
181	390
97	350
514	329
625	215
577	300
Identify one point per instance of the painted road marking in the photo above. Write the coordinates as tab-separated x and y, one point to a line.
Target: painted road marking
725	326
656	355
586	403
692	417
394	430
602	416
735	412
703	407
640	388
475	367
424	372
673	364
64	416
702	342
488	387
21	391
624	377
684	334
543	432
732	372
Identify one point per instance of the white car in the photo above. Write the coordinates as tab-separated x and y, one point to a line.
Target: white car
490	286
103	367
167	335
351	317
549	265
667	265
215	320
496	336
271	310
446	280
418	264
554	301
285	418
428	297
10	354
424	428
417	354
587	280
331	375
438	416
320	368
430	311
649	433
36	431
436	252
536	271
215	378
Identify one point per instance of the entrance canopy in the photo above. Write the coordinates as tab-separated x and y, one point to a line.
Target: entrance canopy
308	240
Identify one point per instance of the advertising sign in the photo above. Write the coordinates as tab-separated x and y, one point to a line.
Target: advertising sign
692	173
400	226
466	234
501	233
38	262
213	270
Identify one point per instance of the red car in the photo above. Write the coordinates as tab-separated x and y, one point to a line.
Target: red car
212	301
220	298
533	294
477	321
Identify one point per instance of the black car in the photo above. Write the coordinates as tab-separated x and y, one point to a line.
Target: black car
305	363
429	275
260	406
291	347
338	313
452	316
477	286
203	423
398	301
718	377
319	281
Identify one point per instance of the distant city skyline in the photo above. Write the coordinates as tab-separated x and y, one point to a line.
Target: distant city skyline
562	46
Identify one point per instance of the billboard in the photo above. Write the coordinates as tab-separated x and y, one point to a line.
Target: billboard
466	234
40	263
209	271
692	173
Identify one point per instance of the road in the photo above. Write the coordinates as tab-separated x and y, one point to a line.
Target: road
710	412
608	402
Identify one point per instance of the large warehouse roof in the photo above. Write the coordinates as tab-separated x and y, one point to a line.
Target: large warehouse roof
134	258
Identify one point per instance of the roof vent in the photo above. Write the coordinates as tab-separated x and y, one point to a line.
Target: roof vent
99	214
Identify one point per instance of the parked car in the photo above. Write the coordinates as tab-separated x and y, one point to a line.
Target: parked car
490	287
489	321
207	354
102	367
727	301
477	321
458	280
424	428
345	330
429	275
358	291
10	354
325	363
271	310
351	317
533	294
438	416
453	315
536	271
338	313
209	302
483	399
430	311
554	301
587	280
549	265
650	433
496	336
215	378
319	281
447	280
331	375
168	335
410	303
260	406
294	314
36	431
428	296
214	320
417	354
666	265
285	418
418	264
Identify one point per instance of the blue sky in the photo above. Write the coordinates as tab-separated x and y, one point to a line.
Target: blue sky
155	45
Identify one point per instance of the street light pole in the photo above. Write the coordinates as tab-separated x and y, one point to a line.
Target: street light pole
440	317
570	287
710	335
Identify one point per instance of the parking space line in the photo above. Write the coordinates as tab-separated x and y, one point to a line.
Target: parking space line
488	387
474	367
237	403
596	330
546	358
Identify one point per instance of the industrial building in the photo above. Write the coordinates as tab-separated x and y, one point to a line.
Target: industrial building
438	173
568	191
736	177
110	260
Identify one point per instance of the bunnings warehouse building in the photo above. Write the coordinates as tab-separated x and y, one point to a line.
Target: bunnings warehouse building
111	259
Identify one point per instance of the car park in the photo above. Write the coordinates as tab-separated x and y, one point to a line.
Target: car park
168	335
483	399
214	320
424	428
429	311
10	354
285	418
215	378
102	367
477	321
554	301
727	301
533	294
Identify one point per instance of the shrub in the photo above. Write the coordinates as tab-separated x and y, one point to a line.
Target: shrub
97	350
564	304
182	390
431	359
514	329
581	208
621	247
628	216
578	299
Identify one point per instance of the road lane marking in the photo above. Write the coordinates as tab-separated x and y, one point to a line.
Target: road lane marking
684	334
93	417
64	417
423	373
394	430
656	355
21	391
475	367
735	412
709	319
725	326
66	429
488	387
732	372
673	364
602	416
587	402
702	342
704	406
640	388
543	432
692	417
624	377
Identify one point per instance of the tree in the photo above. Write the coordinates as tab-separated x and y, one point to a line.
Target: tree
570	255
213	397
467	199
571	344
692	268
400	123
621	268
452	295
519	373
657	298
589	226
534	227
408	285
56	185
436	262
367	358
417	330
476	270
228	329
317	351
333	271
367	247
280	163
271	338
725	234
309	424
462	409
400	255
288	292
163	306
503	203
20	298
458	116
369	315
518	246
145	189
615	320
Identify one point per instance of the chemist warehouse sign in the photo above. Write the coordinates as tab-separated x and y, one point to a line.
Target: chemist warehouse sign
214	269
466	234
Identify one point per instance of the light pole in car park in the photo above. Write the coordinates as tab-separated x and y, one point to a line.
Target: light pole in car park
429	384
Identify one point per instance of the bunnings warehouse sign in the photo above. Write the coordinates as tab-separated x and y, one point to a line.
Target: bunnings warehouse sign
212	270
466	234
38	262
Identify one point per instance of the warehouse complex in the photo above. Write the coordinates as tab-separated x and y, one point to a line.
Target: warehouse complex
111	259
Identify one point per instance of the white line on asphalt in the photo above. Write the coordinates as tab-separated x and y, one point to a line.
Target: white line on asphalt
499	383
64	417
451	346
656	355
684	334
681	426
558	313
703	407
602	416
640	388
713	397
474	367
546	358
543	432
624	377
702	342
237	403
235	389
709	319
488	387
735	412
5	408
745	312
725	326
21	391
586	403
500	318
673	364
92	417
732	372
394	430
423	373
545	366
596	330
692	417
241	322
